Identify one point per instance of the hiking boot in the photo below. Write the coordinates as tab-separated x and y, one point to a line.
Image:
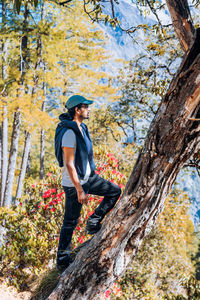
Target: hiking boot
63	260
91	227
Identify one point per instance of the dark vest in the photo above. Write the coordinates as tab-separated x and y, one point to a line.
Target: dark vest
82	156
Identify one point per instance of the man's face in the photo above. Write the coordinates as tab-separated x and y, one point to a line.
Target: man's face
84	112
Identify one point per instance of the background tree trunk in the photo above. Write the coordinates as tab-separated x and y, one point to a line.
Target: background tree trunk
4	152
12	159
42	152
4	141
0	149
0	159
28	169
17	118
173	137
27	146
42	141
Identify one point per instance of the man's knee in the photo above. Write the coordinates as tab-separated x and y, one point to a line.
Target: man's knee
115	191
70	224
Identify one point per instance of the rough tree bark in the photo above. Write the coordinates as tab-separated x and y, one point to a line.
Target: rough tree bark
172	138
182	21
27	146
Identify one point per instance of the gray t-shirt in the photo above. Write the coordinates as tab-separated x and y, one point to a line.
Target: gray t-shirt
69	140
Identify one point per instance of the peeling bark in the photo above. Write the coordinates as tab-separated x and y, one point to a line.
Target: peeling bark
182	22
171	140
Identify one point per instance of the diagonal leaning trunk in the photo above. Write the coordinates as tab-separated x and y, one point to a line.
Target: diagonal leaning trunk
173	137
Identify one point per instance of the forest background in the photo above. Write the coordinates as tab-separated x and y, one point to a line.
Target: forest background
49	53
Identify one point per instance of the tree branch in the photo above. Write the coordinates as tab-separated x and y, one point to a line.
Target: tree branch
155	13
182	21
61	3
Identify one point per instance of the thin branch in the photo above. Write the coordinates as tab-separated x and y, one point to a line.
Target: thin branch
5	86
85	10
32	18
109	128
165	67
112	8
123	129
61	3
155	13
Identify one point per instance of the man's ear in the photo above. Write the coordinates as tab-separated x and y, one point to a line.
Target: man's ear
77	110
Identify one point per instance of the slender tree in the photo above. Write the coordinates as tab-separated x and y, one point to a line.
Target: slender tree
12	159
4	151
42	140
172	138
44	87
26	151
0	152
4	127
17	120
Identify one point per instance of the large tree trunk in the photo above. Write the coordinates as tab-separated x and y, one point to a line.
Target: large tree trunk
27	146
12	159
171	140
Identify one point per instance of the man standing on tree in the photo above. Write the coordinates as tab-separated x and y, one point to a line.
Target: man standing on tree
74	152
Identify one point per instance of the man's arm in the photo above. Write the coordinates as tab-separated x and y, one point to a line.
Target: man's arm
69	160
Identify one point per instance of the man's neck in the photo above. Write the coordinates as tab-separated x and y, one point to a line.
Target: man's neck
78	121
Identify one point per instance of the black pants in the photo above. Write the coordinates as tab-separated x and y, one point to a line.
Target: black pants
95	186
